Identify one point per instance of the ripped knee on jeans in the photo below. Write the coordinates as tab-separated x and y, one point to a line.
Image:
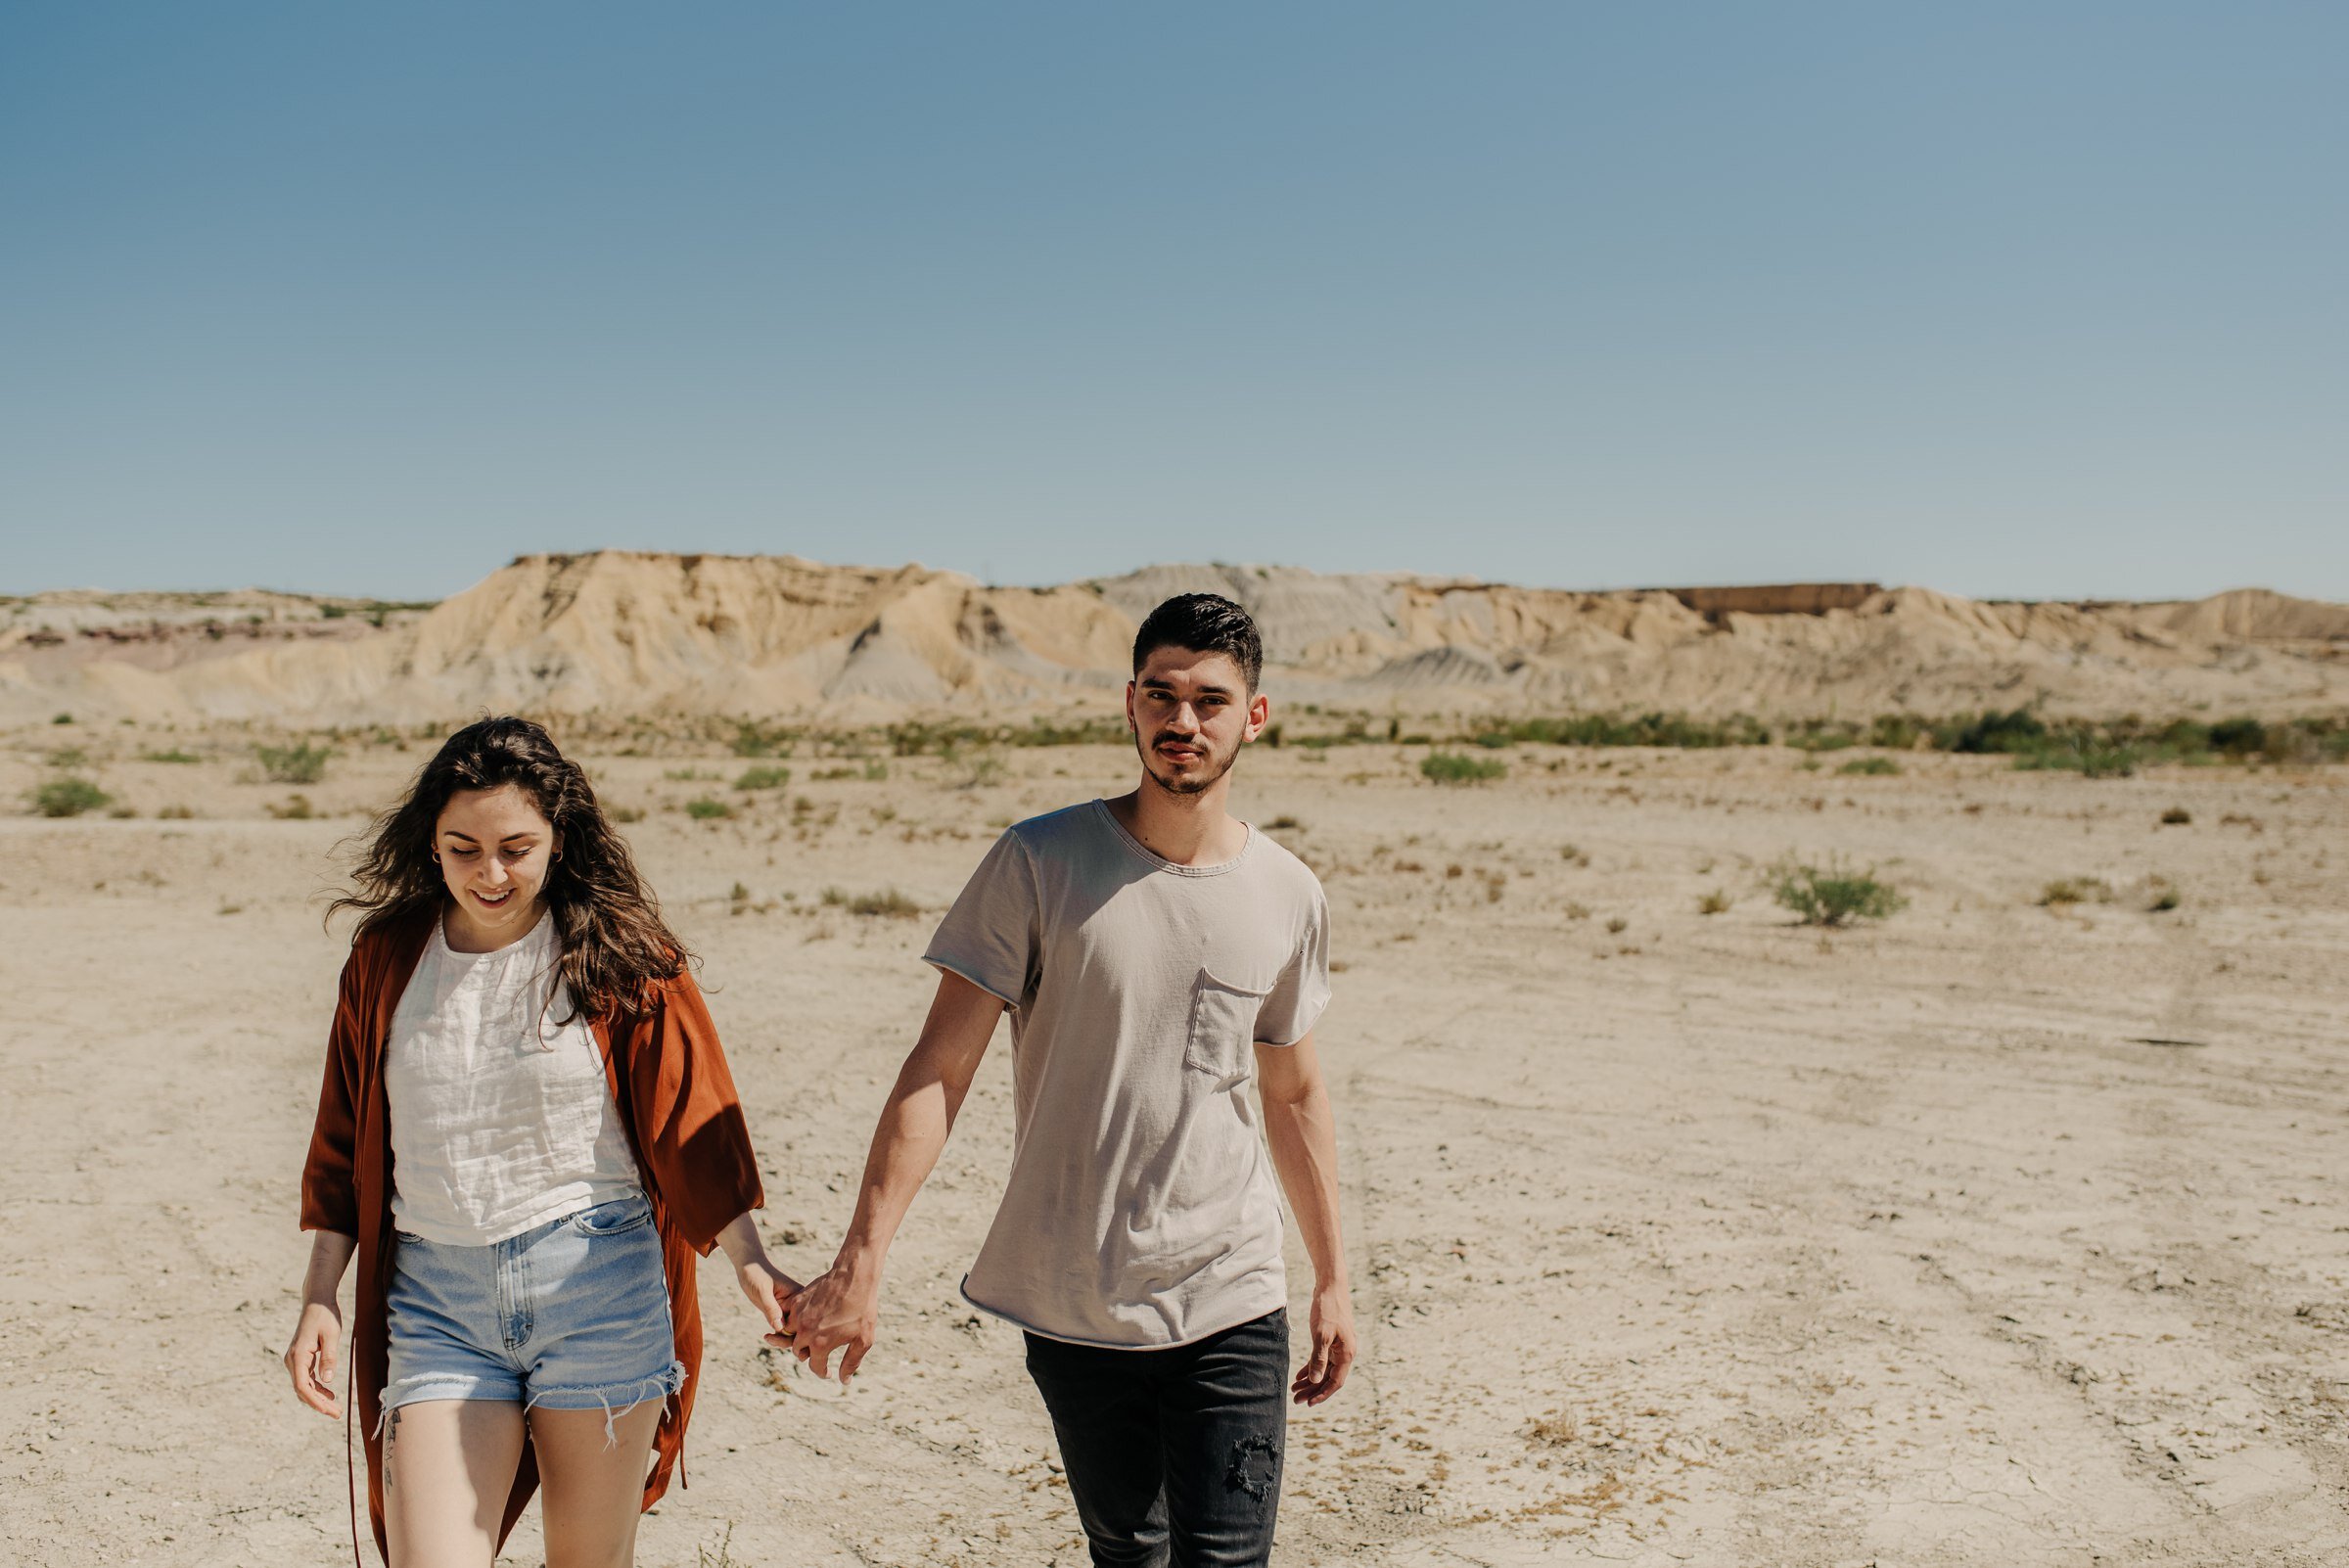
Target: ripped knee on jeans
1254	1467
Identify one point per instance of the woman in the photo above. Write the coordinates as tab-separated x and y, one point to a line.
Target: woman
527	1135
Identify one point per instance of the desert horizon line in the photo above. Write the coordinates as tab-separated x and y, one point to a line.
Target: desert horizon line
1855	587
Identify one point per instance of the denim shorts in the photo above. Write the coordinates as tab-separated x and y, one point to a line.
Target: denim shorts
572	1314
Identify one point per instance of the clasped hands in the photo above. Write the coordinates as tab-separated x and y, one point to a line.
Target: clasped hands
832	1313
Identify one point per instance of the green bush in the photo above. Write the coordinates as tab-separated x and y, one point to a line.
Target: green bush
1872	766
69	796
292	764
2064	891
2239	737
1449	767
2089	755
1834	894
174	755
763	778
706	810
752	739
2017	731
893	904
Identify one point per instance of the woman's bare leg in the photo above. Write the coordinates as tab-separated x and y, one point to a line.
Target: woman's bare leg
449	1466
594	1486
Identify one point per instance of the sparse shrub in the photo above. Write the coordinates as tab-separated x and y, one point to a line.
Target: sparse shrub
1834	894
968	769
297	808
2017	731
763	778
301	763
2239	737
1895	732
876	771
63	718
893	904
2161	896
67	757
69	796
1617	925
1451	767
628	813
751	739
1493	740
1284	823
2176	816
2065	890
1713	903
1271	735
1576	911
1871	767
688	775
706	810
2089	755
174	755
1453	871
175	813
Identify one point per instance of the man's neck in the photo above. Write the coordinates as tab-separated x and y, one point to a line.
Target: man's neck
1184	829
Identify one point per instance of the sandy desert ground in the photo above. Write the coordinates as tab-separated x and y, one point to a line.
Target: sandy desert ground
1994	1235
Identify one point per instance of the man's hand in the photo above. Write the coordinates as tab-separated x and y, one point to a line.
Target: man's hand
311	1357
1324	1371
837	1311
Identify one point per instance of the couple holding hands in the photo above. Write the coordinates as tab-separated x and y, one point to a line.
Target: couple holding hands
528	1135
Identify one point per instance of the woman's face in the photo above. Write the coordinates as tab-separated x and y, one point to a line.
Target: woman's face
495	848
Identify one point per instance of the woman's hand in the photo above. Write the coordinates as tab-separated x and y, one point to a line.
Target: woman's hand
316	1351
768	1287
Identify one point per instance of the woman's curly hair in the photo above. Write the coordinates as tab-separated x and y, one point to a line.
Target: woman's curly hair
607	924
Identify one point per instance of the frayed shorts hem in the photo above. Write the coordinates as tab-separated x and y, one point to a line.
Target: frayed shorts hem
617	1398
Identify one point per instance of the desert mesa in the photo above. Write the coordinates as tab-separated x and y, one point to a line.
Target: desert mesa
618	635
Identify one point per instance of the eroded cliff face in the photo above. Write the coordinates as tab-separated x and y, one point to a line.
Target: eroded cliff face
623	634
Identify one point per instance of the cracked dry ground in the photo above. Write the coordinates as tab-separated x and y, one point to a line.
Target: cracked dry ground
1998	1233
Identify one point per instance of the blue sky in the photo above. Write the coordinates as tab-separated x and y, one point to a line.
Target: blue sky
2007	299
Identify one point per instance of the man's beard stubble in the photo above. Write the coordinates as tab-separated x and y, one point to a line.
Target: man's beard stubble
1183	787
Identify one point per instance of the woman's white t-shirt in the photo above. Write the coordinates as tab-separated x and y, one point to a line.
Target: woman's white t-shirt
502	1118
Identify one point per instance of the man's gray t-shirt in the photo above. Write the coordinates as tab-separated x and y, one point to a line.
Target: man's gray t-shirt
1141	1209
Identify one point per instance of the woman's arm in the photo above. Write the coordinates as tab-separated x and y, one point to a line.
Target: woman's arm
317	1348
768	1286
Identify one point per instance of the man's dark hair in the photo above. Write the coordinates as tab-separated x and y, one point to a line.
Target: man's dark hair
1203	623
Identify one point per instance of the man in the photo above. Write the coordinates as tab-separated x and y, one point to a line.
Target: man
1155	955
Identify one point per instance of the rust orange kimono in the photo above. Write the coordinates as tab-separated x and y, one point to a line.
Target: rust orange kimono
676	1097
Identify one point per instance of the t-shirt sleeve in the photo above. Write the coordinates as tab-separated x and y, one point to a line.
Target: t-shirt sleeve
1295	1003
992	938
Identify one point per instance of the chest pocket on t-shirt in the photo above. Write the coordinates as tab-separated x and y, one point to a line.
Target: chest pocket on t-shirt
1223	1034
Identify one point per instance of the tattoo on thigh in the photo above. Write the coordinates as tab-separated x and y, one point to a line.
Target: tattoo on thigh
391	1436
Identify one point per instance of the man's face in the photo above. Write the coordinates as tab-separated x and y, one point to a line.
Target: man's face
1190	712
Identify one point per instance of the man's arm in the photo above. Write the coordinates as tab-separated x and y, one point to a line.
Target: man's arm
1302	1133
841	1311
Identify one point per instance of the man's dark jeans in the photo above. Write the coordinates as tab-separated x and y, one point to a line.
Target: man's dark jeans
1172	1455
